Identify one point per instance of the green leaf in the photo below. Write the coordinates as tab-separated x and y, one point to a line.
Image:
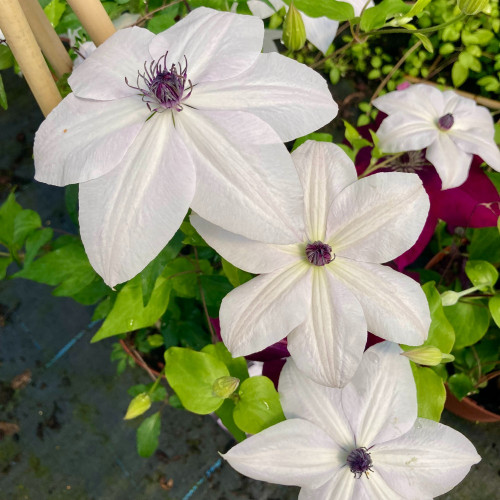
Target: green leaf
459	74
237	366
148	434
191	375
4	264
34	242
25	223
338	11
485	244
460	385
71	201
92	293
128	312
258	406
418	7
159	394
54	11
163	21
8	212
3	95
225	413
425	42
431	393
215	288
103	309
494	307
470	322
139	405
315	136
235	276
481	273
354	138
6	58
182	273
375	17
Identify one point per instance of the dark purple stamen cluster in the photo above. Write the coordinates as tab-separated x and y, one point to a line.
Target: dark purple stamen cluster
359	461
319	253
446	121
163	88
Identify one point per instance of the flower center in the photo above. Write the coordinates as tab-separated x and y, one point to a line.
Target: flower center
163	88
359	461
319	253
446	122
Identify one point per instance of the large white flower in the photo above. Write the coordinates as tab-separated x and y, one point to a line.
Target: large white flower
362	442
451	127
327	288
193	116
320	31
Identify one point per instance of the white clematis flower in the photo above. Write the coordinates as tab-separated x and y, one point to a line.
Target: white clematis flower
320	31
327	288
195	116
362	442
451	127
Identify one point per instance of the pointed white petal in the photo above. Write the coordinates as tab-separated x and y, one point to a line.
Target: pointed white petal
422	101
320	31
452	164
130	214
291	97
217	45
250	255
246	182
293	452
102	75
262	10
340	487
404	132
480	142
324	171
374	487
381	400
395	306
83	139
302	398
378	218
265	309
426	462
328	346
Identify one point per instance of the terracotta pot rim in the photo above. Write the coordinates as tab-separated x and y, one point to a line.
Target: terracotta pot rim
468	409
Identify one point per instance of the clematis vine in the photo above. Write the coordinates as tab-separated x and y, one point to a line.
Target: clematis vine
451	127
325	290
195	116
362	442
320	31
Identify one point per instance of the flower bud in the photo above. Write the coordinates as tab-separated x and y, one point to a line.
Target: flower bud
471	7
140	404
449	298
223	387
428	356
294	31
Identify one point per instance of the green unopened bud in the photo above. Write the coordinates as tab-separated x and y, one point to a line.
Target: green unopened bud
471	7
428	356
140	404
294	31
223	387
449	298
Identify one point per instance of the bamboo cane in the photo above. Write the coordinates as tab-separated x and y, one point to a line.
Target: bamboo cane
21	41
94	19
47	38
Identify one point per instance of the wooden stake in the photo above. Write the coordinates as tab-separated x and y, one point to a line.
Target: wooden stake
21	41
47	38
94	19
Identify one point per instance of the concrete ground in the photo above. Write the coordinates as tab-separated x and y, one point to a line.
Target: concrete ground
72	442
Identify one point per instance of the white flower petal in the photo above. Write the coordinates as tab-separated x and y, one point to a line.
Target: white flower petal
480	142
250	255
302	398
293	452
395	306
374	487
217	45
381	400
291	97
265	309
426	462
467	114
102	75
340	487
262	10
401	132
421	100
329	345
320	31
452	164
246	182
324	171
130	214
378	218
84	139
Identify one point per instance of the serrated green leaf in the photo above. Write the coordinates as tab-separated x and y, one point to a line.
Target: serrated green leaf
25	223
34	242
71	201
8	212
148	434
4	264
431	393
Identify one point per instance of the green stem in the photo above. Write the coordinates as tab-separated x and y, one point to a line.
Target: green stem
156	383
377	166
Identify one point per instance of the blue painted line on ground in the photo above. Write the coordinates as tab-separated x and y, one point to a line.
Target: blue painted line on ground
70	344
200	481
